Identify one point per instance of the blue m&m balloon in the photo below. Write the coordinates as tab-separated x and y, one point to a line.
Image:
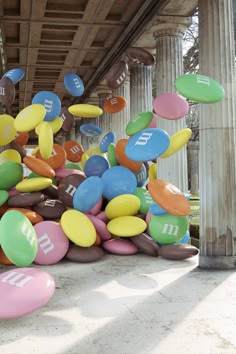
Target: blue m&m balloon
106	140
148	144
15	75
74	84
88	194
118	180
50	101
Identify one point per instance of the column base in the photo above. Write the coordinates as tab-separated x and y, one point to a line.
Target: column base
219	262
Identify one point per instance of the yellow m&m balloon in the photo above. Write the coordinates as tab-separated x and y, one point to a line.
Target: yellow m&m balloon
177	141
55	125
126	226
85	110
45	140
29	117
122	205
7	129
10	155
152	171
33	184
78	228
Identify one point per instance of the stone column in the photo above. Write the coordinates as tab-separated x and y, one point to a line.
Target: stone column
140	89
217	138
193	166
168	33
121	119
105	118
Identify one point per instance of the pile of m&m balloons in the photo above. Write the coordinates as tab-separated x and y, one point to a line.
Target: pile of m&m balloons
76	204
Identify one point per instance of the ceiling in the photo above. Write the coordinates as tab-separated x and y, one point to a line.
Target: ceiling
49	38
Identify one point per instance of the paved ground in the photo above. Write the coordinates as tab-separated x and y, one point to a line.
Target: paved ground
130	305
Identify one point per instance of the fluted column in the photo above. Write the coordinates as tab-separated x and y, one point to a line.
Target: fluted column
140	89
121	119
217	138
105	118
168	33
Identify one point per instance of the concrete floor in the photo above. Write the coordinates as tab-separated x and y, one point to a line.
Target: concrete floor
130	305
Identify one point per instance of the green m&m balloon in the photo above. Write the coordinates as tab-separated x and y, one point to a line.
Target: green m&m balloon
145	199
18	238
111	155
168	229
199	88
11	173
140	122
4	195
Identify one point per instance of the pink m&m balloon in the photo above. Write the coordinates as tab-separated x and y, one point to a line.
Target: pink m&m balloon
120	246
24	290
53	244
170	106
100	227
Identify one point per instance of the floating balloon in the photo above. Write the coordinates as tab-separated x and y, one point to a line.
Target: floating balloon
14	173
57	158
152	172
178	252
169	197
168	229
170	106
88	193
118	180
177	141
114	104
33	217
7	91
55	125
140	122
53	244
38	166
111	155
10	155
29	117
73	84
199	88
24	290
4	195
122	205
33	184
90	129
84	254
145	199
141	176
67	188
123	159
140	56
74	150
95	166
85	110
18	238
7	129
155	209
45	140
15	75
126	226
106	140
67	119
120	247
117	74
78	228
50	101
21	138
147	145
146	244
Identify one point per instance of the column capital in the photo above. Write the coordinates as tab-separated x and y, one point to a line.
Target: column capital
174	26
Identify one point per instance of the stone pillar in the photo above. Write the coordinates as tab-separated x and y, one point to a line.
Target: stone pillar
140	89
217	138
193	166
121	119
168	33
105	118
